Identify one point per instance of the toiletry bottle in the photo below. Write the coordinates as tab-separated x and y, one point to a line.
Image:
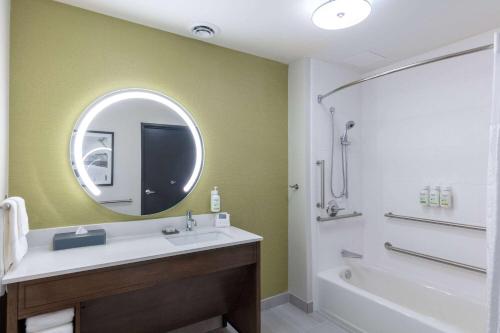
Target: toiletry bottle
434	195
424	196
445	198
215	200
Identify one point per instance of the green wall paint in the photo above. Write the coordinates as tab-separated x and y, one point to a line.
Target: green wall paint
62	58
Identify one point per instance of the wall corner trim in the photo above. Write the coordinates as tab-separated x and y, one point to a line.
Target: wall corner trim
307	307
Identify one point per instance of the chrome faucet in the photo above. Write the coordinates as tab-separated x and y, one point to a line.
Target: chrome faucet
333	208
190	222
349	254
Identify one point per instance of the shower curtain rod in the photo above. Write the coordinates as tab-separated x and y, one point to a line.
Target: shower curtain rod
402	68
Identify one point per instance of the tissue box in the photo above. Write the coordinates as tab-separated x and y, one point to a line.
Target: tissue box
68	240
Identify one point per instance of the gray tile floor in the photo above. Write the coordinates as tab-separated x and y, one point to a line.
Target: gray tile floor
287	318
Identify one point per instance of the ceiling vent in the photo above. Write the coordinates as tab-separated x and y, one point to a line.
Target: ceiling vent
204	31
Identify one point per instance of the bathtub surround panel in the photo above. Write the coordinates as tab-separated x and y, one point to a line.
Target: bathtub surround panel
429	126
322	241
64	57
329	238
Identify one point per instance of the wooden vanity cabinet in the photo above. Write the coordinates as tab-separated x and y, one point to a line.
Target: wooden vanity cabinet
151	296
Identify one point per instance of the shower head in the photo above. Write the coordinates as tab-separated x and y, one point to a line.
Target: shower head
344	140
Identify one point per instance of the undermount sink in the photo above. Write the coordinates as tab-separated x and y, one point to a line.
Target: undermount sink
193	237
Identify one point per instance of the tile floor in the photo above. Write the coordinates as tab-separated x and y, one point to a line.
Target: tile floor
287	318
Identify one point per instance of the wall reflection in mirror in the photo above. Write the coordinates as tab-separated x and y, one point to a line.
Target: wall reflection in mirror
136	152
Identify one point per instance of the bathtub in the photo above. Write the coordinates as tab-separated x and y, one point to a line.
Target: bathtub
367	299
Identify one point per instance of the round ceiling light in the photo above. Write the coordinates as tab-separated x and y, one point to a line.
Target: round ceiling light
203	31
340	14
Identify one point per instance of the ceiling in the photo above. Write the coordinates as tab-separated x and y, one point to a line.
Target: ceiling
282	29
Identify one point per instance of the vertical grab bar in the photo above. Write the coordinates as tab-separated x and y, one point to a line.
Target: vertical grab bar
321	164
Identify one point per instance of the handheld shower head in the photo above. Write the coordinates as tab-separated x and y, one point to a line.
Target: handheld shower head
344	140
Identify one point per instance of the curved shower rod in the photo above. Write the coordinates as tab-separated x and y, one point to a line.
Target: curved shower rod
402	68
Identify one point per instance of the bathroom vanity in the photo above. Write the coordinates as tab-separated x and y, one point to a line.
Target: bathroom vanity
142	283
140	280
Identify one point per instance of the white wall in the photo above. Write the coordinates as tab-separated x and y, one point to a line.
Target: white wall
299	241
429	126
4	93
4	105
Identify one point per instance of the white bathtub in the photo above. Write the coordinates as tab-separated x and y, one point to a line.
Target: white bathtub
371	300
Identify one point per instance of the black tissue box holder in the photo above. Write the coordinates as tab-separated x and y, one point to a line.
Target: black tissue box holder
68	240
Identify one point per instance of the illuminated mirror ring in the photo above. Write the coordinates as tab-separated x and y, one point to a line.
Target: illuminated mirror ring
109	100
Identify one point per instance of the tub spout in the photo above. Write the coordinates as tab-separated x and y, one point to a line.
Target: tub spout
349	254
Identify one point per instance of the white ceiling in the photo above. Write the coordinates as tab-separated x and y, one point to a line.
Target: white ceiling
282	29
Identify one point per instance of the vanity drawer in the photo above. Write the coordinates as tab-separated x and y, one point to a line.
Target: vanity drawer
49	294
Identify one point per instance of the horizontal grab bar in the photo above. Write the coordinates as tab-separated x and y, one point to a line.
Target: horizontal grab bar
389	247
337	217
115	201
439	222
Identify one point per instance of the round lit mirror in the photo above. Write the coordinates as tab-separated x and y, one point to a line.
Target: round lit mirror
136	152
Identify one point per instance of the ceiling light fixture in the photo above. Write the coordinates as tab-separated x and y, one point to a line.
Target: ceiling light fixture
340	14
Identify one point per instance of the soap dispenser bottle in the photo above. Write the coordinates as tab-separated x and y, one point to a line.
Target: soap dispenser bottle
215	200
434	196
424	196
445	198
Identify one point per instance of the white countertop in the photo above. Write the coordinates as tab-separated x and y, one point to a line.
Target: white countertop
41	261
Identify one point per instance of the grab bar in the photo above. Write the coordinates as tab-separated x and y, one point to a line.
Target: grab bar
439	222
337	217
389	247
321	164
115	201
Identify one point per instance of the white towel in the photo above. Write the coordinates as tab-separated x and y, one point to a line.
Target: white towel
67	328
15	244
50	320
22	216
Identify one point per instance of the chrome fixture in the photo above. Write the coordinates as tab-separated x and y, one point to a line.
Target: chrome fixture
389	247
344	143
104	202
402	68
349	254
321	164
333	208
439	222
190	222
338	217
294	186
149	192
344	140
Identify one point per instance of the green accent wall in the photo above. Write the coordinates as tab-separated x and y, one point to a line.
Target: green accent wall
62	58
